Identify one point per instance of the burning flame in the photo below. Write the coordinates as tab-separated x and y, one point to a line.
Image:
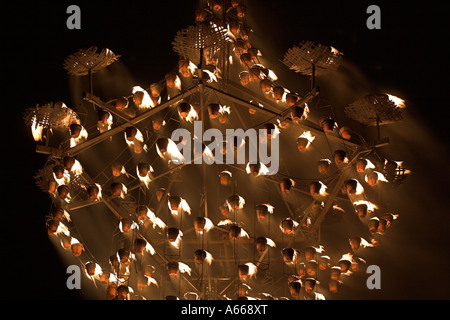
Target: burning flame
183	207
270	243
82	137
36	130
240	205
208	225
269	207
323	189
379	175
371	207
252	268
154	220
133	226
184	268
399	103
263	170
147	102
172	151
102	127
149	248
145	179
62	229
150	281
225	222
77	168
65	180
192	115
308	136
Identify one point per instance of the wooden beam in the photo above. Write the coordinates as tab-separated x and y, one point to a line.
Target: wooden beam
93	141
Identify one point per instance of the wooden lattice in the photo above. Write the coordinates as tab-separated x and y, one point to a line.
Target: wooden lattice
210	38
84	60
51	115
374	109
307	54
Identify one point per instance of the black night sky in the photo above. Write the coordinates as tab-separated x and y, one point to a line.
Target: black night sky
407	57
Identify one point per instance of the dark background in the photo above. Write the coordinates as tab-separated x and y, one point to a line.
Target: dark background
408	57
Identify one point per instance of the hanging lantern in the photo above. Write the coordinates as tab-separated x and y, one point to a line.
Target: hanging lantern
353	186
266	85
120	103
75	130
310	253
224	209
289	255
57	214
254	73
213	110
235	202
335	273
340	157
130	133
254	168
278	93
261	244
234	232
173	234
295	287
184	109
123	255
138	97
200	256
345	264
322	165
202	224
297	113
241	10
361	165
126	224
311	268
111	291
52	226
245	32
334	286
58	172
117	169
301	269
373	224
144	169
263	210
225	177
94	192
345	133
287	226
286	185
234	27
304	141
324	263
317	188
118	190
139	245
327	124
216	5
254	53
77	248
160	193
63	192
291	99
244	77
246	270
310	284
246	59
104	120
